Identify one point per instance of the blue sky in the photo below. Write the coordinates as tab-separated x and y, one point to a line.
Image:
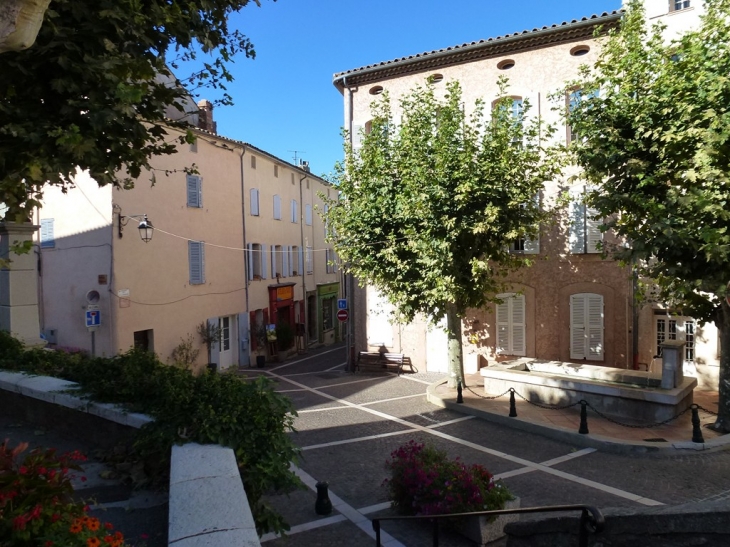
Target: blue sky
285	100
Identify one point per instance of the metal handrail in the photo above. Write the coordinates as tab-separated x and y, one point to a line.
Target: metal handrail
591	519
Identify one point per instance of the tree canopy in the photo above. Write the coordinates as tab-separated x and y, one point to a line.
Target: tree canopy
654	133
93	89
432	199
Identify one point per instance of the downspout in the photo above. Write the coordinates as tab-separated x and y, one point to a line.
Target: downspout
349	280
245	253
304	319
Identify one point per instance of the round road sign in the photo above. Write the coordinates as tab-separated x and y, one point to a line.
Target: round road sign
343	315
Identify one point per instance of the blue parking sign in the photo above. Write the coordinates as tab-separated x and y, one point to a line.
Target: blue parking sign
342	303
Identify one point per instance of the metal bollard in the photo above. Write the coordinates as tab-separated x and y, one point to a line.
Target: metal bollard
696	431
583	429
323	505
459	393
512	407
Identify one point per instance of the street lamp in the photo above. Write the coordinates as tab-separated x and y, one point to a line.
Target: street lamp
145	226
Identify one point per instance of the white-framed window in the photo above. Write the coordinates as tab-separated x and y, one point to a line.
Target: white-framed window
294	211
277	261
295	260
310	262
308	214
48	240
277	207
573	99
511	324
670	327
194	185
584	229
196	262
677	5
224	324
586	326
254	201
256	261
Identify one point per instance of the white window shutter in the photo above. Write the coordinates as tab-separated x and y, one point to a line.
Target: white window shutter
196	261
273	261
193	190
532	246
285	262
308	214
277	207
249	260
593	232
48	241
301	261
254	201
595	327
503	325
576	220
264	266
294	211
356	137
577	326
517	327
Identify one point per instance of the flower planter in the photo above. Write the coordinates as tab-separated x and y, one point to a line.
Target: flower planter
481	531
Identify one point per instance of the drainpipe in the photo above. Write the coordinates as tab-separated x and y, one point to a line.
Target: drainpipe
349	280
245	254
304	265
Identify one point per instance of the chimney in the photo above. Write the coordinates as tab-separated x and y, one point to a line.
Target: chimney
205	116
304	165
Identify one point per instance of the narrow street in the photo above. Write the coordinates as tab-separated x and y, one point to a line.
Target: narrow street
348	425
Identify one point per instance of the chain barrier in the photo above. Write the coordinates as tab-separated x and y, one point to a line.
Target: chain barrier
484	396
546	407
702	408
637	426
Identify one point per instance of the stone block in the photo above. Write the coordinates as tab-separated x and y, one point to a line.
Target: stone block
237	538
194	461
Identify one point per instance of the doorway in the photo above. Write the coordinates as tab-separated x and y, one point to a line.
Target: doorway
226	353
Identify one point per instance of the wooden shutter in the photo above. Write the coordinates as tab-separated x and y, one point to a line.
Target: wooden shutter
301	261
254	201
503	325
48	240
357	134
264	265
532	246
595	327
285	272
294	211
577	220
194	193
249	261
196	259
308	214
273	261
577	326
277	207
593	233
517	324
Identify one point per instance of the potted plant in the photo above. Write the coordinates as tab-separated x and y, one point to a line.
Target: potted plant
424	481
210	333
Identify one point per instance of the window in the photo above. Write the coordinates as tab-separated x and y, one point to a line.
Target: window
676	5
253	162
505	64
669	327
331	259
277	207
328	313
276	171
277	261
294	211
586	326
308	214
584	230
48	241
254	201
526	245
194	187
511	324
310	266
144	339
224	324
579	51
196	260
295	260
256	261
575	97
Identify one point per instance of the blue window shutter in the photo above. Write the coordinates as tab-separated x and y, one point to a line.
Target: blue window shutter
308	214
277	207
301	261
264	267
196	258
273	261
48	241
254	201
285	261
193	190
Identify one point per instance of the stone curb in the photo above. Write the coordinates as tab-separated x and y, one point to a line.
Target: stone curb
599	442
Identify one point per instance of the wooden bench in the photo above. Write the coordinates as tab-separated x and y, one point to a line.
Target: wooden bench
377	360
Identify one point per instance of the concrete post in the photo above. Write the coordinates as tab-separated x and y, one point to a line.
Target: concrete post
672	363
19	285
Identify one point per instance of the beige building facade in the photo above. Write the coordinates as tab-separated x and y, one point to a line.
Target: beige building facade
238	245
571	305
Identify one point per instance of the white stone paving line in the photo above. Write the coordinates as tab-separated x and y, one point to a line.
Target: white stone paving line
305	359
526	463
349	512
306	373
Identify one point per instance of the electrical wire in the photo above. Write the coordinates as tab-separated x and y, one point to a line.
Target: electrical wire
175	301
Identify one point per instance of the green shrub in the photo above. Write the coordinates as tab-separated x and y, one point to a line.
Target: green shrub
248	416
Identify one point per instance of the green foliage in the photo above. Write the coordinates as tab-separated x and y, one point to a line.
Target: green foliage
106	81
655	143
284	336
248	416
210	334
185	353
430	203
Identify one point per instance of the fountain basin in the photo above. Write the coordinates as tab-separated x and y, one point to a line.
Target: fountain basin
627	395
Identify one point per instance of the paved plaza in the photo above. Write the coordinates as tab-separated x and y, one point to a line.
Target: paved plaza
348	425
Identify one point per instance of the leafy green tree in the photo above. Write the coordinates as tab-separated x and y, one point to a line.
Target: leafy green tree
93	89
655	140
430	203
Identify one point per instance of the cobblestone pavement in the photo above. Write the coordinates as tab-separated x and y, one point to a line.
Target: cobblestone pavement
348	424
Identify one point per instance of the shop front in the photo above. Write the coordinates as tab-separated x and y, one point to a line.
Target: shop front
327	308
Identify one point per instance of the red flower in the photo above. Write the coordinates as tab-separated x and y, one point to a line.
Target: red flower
19	522
108	526
55	517
23	470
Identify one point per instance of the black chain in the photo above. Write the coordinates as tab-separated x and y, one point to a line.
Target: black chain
546	407
706	410
636	426
484	396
